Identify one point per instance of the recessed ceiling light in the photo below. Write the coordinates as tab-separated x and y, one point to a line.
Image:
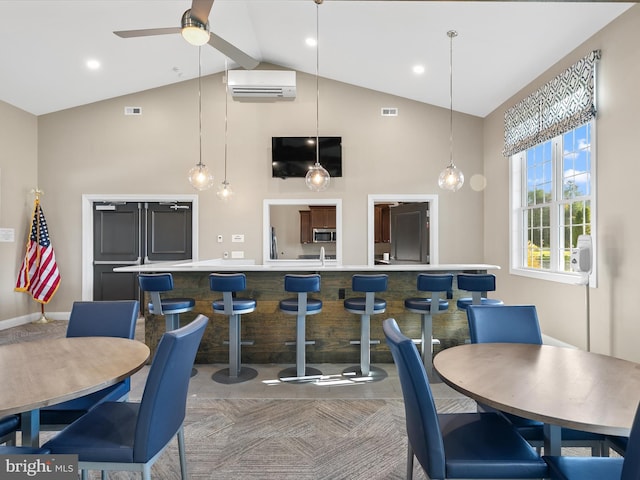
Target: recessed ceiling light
93	64
418	69
311	42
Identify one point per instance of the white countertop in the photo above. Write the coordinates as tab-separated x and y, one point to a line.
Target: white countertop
222	265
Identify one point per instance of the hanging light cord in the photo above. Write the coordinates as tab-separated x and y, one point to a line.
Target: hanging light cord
318	2
200	102
451	33
226	114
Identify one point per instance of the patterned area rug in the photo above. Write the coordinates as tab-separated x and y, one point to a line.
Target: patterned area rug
292	439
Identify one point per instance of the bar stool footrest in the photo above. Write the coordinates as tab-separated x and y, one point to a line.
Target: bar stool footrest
243	342
371	342
306	342
418	341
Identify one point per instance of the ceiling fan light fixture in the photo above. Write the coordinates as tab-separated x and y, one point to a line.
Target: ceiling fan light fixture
193	30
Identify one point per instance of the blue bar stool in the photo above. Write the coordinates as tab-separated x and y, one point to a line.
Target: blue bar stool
365	307
478	284
171	308
436	284
232	307
301	306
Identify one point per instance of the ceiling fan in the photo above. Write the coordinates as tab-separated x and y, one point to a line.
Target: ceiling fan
195	29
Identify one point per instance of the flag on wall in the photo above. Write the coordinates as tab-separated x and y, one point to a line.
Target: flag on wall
39	273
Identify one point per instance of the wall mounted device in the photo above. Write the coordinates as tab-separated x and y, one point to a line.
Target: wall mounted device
293	156
582	255
272	84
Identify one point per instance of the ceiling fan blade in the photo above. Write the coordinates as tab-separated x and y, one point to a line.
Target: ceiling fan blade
148	32
200	10
245	61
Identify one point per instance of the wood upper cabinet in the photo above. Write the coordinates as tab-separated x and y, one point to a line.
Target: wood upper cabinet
323	217
316	217
382	224
305	227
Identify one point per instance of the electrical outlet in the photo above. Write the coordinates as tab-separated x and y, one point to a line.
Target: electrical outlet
237	254
237	238
341	293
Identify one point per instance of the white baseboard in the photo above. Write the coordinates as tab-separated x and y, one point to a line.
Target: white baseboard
547	340
32	317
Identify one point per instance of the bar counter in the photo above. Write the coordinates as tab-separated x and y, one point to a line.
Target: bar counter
332	329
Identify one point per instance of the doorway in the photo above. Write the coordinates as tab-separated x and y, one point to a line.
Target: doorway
135	230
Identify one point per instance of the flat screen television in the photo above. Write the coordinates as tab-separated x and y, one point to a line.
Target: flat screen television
293	156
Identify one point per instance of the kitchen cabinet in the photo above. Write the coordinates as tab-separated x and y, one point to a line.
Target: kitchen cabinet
305	227
382	224
323	217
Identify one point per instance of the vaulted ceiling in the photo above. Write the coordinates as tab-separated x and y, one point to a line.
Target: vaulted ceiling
501	46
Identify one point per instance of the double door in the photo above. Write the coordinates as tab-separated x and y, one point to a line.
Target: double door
136	233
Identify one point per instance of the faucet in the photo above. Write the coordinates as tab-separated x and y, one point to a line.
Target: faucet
322	255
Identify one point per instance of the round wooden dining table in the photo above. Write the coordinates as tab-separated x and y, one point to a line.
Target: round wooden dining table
562	387
36	374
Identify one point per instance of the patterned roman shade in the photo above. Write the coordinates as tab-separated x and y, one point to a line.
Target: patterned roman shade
564	103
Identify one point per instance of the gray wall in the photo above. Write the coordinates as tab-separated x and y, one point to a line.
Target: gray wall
562	308
95	149
18	176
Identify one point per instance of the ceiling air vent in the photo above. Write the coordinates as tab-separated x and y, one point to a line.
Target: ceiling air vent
133	110
389	111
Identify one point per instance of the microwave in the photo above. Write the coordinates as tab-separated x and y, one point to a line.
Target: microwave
323	235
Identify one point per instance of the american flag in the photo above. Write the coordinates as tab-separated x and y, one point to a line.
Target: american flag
39	273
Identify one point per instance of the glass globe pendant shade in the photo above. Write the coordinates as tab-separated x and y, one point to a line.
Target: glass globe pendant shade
200	177
224	191
451	178
317	178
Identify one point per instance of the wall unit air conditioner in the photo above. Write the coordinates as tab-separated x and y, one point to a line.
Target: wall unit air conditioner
262	83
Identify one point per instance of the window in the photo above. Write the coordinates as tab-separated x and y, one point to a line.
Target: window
552	199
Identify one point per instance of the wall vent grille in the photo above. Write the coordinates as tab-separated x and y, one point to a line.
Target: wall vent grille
133	110
389	111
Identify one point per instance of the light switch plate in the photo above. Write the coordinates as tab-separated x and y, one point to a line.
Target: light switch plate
237	254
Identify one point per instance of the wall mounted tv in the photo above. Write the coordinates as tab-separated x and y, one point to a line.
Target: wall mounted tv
292	156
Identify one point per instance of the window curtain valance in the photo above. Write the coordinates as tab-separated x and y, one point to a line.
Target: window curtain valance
564	103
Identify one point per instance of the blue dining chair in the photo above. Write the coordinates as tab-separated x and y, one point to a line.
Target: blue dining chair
13	450
126	436
9	425
519	324
110	318
455	445
601	468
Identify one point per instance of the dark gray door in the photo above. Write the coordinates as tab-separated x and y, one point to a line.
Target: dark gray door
133	233
410	233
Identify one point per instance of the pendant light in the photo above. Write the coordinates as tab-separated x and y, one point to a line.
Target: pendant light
224	191
451	178
317	178
199	176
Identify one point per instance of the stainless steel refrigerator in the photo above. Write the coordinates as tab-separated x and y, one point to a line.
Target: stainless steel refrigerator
410	233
